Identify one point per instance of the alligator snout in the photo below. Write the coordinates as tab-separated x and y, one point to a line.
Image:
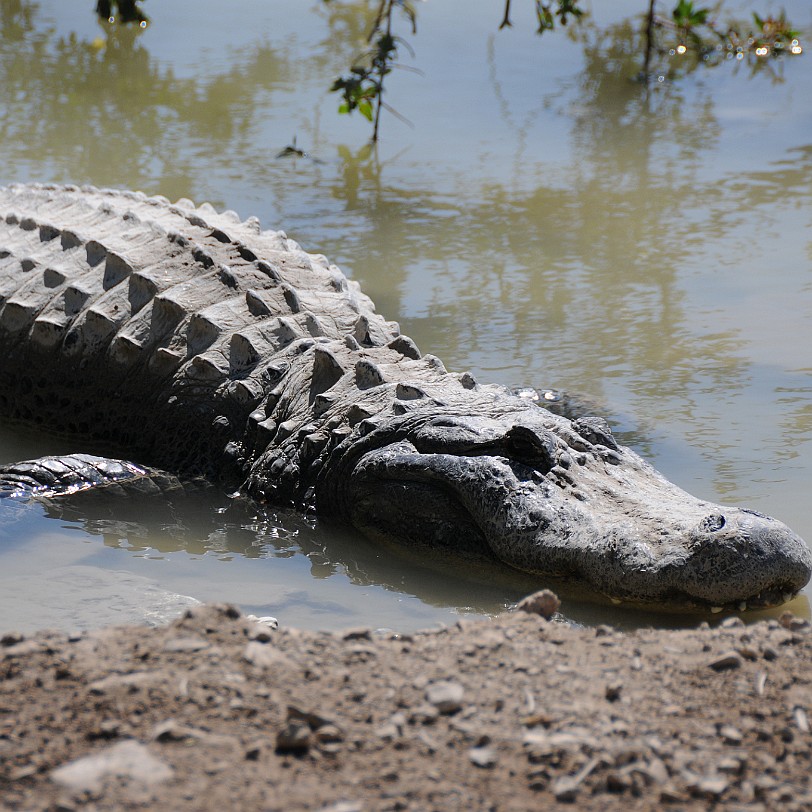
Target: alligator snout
564	499
743	557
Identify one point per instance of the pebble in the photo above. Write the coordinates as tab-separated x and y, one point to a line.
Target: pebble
446	696
267	621
360	633
11	639
544	603
793	623
566	788
482	756
730	734
728	660
709	785
171	731
424	714
294	737
127	759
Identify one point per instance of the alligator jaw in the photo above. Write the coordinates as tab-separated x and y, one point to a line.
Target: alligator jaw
619	527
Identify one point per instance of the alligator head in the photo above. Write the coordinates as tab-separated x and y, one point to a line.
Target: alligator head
561	498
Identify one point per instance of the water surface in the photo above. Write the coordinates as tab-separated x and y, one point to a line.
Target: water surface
544	222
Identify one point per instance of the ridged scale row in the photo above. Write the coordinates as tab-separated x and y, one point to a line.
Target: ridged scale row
164	286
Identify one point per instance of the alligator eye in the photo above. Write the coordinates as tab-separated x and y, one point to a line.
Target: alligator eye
525	445
712	523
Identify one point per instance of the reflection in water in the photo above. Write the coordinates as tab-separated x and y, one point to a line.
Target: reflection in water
104	110
207	524
586	240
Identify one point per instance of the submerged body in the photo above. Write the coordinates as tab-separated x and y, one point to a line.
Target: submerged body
201	344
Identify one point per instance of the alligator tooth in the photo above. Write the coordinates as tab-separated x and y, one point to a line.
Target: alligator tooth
787	596
616	601
716	609
743	606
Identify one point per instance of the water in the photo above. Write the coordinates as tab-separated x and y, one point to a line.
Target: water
543	222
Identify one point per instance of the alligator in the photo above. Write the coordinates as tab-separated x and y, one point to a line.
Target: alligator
202	345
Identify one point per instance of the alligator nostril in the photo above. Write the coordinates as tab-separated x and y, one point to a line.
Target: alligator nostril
712	523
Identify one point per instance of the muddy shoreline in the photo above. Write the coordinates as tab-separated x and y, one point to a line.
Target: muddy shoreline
217	711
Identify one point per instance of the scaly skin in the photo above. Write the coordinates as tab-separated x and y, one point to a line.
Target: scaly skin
203	345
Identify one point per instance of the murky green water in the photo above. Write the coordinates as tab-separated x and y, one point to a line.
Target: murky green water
543	223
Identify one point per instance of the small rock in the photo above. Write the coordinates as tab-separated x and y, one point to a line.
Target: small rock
544	603
482	756
128	759
11	639
388	732
266	620
566	788
732	623
793	623
360	633
262	634
107	729
613	691
712	786
171	731
801	720
728	660
733	765
328	734
730	734
313	719
446	696
294	737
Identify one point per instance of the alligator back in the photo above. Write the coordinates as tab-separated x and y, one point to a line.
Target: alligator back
155	326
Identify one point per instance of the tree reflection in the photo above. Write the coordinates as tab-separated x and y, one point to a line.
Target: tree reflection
105	110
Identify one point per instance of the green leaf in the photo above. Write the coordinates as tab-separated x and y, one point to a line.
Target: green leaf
365	109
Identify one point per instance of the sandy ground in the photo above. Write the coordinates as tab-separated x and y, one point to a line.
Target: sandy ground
218	712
